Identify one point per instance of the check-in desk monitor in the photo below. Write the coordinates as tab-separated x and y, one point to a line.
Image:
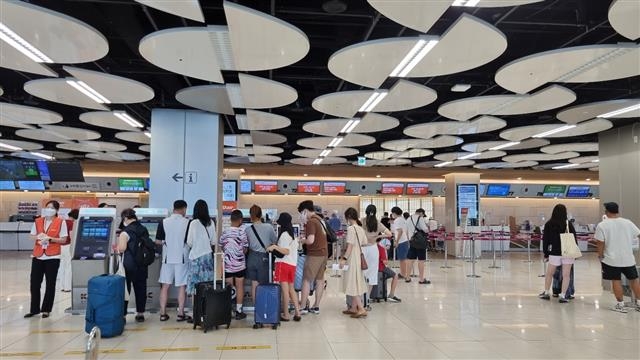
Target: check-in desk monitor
93	238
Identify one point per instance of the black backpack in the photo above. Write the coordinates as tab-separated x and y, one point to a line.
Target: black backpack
145	248
331	235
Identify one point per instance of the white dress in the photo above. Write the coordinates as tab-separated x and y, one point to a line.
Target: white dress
354	282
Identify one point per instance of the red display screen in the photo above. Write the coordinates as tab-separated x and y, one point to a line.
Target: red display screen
266	186
393	188
308	187
334	187
417	189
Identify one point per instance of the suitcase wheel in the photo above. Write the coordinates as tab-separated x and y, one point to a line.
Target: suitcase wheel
257	326
228	325
205	330
216	327
274	326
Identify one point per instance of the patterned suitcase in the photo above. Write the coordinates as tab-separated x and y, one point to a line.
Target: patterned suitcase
268	303
212	305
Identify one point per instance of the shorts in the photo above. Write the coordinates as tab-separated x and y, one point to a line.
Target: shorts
388	273
402	250
420	254
238	274
258	267
556	260
175	274
614	273
314	268
285	273
372	256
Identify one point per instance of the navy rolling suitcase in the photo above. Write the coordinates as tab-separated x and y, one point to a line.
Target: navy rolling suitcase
212	305
379	292
105	305
268	303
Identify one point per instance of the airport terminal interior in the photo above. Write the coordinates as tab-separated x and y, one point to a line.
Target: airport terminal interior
475	117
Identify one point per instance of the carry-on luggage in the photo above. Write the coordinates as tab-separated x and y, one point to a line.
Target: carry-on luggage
268	303
556	285
379	292
212	305
105	305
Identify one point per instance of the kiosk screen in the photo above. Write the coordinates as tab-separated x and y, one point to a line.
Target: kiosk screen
92	241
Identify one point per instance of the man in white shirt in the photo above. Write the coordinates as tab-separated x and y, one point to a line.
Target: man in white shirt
417	222
171	235
401	241
615	237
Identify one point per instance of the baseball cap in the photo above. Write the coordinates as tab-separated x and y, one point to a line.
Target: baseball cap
611	207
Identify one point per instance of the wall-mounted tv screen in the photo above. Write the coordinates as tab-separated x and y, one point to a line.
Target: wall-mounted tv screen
11	169
245	186
334	187
554	190
578	191
65	170
131	184
43	169
229	190
308	187
498	189
7	185
266	186
417	189
392	188
30	185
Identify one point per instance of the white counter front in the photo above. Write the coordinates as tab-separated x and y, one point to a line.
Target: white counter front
15	236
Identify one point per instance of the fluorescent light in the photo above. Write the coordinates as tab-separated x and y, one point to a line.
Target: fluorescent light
416	59
335	141
325	153
373	100
503	146
554	131
467	3
148	134
127	119
353	126
460	87
564	166
620	111
443	164
10	147
469	156
595	161
349	126
414	50
44	156
88	91
346	126
317	161
20	44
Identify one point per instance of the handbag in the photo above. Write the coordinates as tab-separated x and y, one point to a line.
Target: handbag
275	253
568	246
119	267
363	260
419	240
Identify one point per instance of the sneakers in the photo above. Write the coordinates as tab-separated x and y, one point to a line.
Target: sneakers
544	296
563	300
314	310
621	309
555	295
240	315
304	311
397	299
424	282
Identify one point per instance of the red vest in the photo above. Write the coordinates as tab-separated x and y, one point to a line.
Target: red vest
53	231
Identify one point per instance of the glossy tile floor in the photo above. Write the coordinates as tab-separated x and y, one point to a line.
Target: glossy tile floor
497	316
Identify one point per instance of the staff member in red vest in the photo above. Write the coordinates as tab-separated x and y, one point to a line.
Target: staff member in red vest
48	232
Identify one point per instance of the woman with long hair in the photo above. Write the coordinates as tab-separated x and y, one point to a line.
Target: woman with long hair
354	281
374	230
285	273
551	244
201	235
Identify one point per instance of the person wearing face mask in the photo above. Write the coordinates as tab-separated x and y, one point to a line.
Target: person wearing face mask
399	228
317	252
48	232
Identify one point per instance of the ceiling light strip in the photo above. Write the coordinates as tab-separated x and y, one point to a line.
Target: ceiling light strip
565	166
410	55
593	63
504	146
466	3
317	161
20	44
325	153
147	134
423	52
443	164
10	147
44	156
335	141
127	119
353	126
346	126
88	91
554	131
469	156
373	101
620	111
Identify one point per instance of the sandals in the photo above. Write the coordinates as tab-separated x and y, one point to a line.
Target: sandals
348	312
282	318
359	315
297	318
184	317
164	317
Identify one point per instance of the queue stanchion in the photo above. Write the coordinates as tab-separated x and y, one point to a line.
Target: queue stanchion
493	250
473	259
529	249
446	255
93	344
336	255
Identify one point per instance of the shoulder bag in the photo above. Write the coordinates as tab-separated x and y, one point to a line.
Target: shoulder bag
363	260
568	246
275	253
419	240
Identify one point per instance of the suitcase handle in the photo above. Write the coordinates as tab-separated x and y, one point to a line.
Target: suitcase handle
215	269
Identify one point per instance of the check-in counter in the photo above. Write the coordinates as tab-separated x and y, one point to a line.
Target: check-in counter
15	236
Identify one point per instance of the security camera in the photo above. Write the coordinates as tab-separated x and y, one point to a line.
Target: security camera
363	187
285	186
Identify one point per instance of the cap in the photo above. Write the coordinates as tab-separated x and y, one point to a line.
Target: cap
611	207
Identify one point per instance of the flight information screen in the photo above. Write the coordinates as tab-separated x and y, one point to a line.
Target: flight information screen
93	239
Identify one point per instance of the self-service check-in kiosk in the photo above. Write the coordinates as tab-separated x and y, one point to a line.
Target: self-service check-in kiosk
91	241
151	218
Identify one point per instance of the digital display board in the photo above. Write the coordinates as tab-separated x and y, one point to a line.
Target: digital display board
308	187
7	185
11	169
334	187
417	189
30	170
93	238
392	188
498	189
467	202
65	171
131	184
245	186
43	169
30	185
266	186
229	190
554	190
578	191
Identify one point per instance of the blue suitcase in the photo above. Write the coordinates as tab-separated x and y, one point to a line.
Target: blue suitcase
268	303
105	305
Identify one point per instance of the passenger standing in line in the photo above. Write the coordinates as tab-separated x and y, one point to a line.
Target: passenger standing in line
234	245
354	281
201	238
171	234
65	252
374	230
285	273
552	252
417	222
315	264
615	237
335	222
260	236
399	229
48	233
135	273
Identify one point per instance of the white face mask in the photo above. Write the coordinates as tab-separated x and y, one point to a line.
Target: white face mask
303	217
48	212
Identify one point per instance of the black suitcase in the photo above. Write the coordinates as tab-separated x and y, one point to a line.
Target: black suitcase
212	304
379	292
